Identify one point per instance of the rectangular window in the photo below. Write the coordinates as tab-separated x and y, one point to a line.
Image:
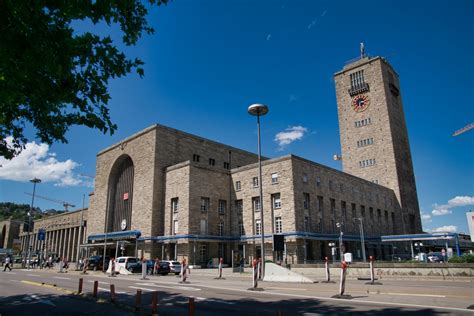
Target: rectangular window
379	215
306	224
357	79
258	227
222	206
318	181
278	225
362	211
256	204
203	252
320	204
333	206
174	205
306	201
330	185
226	165
220	228
241	228
238	186
175	227
239	206
255	182
196	158
305	178
341	187
276	200
354	212
212	162
203	227
344	211
371	213
274	178
204	204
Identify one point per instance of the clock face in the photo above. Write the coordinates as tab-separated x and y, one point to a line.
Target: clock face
360	103
124	224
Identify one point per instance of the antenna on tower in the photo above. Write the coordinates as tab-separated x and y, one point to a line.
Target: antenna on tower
362	50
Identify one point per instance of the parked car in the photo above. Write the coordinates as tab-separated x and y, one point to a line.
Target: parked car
125	262
435	257
163	269
96	262
175	266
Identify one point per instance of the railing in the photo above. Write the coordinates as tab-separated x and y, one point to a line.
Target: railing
363	87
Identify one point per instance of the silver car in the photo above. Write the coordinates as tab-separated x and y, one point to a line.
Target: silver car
175	266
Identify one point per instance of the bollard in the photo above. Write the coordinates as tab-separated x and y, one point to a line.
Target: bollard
259	269
371	264
342	284
154	303
112	293
328	273
255	273
138	300
96	285
191	306
220	267
79	290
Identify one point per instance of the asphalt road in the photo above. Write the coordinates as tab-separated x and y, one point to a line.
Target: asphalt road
21	293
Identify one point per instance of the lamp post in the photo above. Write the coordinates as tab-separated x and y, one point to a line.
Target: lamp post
34	181
81	228
362	241
418	246
260	110
341	246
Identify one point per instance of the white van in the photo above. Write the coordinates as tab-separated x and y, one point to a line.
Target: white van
125	262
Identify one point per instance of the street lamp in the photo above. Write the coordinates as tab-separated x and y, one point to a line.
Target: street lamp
34	181
341	246
260	110
418	246
362	241
333	250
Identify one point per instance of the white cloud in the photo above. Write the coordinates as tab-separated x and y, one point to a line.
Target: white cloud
35	161
324	13
445	229
425	217
289	135
269	36
458	201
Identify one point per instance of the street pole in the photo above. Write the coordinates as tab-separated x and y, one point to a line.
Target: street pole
79	239
260	110
34	181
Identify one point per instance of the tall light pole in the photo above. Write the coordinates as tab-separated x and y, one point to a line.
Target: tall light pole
260	110
341	246
362	241
81	229
34	181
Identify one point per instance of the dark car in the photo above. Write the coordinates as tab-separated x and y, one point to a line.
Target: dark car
96	263
163	269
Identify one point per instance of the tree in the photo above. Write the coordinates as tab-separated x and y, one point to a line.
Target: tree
52	77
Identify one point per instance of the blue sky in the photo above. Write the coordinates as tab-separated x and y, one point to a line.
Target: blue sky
209	60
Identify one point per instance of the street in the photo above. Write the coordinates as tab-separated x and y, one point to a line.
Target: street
51	293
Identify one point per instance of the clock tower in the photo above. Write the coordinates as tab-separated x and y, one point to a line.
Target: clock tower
373	132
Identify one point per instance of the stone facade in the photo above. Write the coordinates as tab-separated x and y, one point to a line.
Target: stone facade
374	138
9	233
62	238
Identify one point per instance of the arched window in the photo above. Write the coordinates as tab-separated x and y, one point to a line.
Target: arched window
120	195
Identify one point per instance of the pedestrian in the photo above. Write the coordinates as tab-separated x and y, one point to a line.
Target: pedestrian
65	265
50	262
156	266
241	264
85	264
112	267
7	264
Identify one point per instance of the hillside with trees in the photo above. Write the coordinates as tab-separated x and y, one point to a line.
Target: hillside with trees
9	210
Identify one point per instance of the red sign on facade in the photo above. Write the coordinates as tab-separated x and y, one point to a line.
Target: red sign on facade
125	196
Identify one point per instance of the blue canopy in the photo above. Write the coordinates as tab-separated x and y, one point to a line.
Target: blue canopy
116	235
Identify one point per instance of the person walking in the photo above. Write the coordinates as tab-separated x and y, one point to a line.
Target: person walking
7	264
156	266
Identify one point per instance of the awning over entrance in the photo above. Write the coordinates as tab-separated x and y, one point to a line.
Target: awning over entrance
417	237
129	234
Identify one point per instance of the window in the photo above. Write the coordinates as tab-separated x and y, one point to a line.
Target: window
305	178
333	206
363	122
212	162
365	142
320	204
203	227
241	229
203	253
344	211
379	215
306	201
274	178
318	181
196	158
306	223
371	213
376	182
222	206
362	211
174	205
220	228
239	206
258	227
256	204
367	163
204	204
238	186
255	182
341	187
226	165
278	225
276	200
354	212
358	84
175	227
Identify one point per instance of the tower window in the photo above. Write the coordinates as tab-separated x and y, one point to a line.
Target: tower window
212	162
363	122
226	165
255	182
196	158
274	178
367	163
358	84
365	142
238	186
278	225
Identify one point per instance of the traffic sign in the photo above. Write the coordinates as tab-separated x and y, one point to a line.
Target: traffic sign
41	234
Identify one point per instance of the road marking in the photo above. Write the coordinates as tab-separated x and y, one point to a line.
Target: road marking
108	290
407	294
62	278
35	275
184	288
142	288
90	281
9	272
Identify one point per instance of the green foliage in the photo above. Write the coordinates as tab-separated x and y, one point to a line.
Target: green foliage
15	211
52	76
465	258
